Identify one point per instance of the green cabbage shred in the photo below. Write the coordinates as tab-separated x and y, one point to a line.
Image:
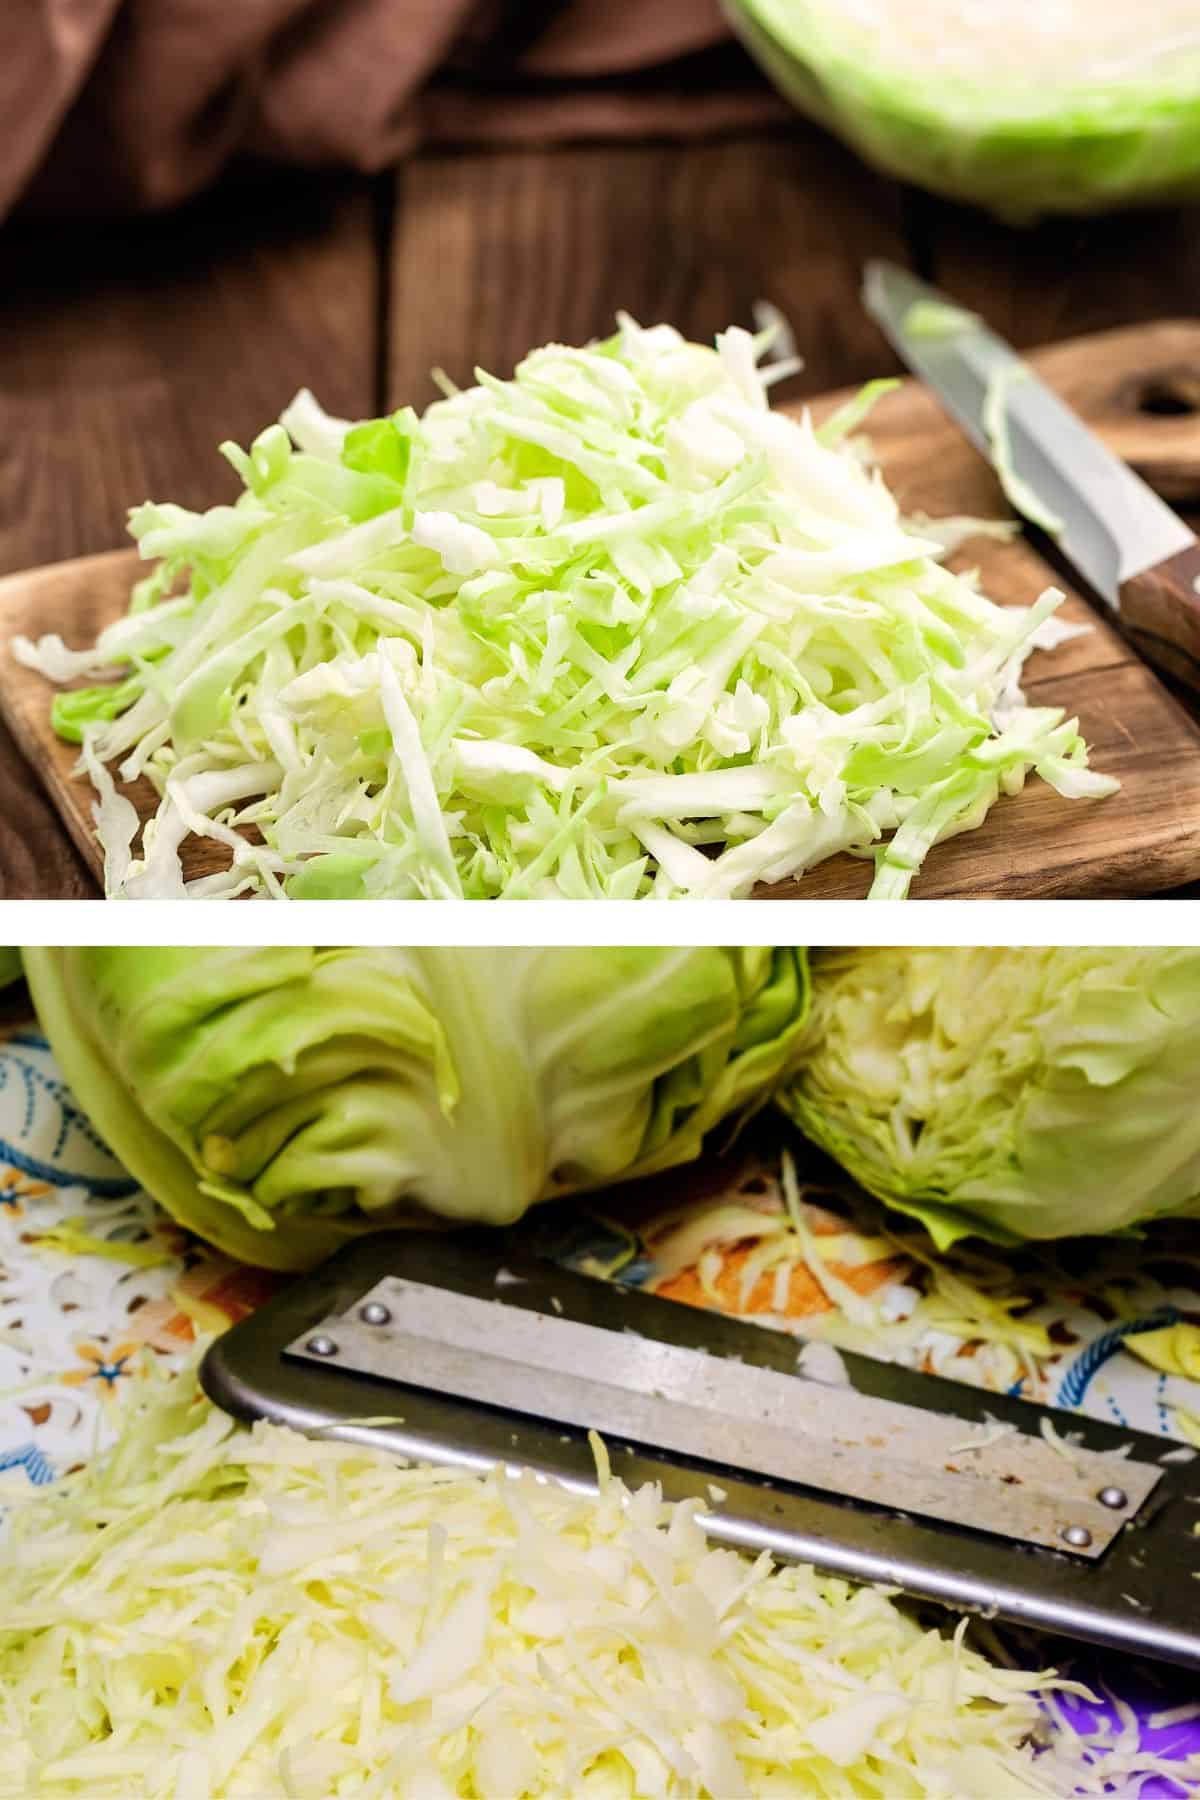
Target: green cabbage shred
995	424
610	629
935	319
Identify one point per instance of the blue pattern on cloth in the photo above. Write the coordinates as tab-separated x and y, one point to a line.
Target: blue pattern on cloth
31	1460
1078	1375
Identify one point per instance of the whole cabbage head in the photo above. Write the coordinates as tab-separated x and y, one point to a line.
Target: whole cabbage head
278	1101
1012	1093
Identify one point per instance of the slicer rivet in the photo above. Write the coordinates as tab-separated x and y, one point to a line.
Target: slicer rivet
321	1346
375	1313
1113	1496
1078	1536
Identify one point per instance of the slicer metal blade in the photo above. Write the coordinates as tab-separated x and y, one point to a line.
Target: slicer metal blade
465	1350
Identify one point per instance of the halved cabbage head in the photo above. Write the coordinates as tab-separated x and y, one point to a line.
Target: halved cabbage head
1023	106
1030	1093
278	1101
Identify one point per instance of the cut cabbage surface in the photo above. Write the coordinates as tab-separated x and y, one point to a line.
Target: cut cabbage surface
611	629
209	1611
1013	1093
1024	106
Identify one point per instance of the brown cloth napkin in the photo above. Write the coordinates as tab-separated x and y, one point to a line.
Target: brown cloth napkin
116	105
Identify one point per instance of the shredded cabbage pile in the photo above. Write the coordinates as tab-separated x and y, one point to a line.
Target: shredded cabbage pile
611	629
213	1611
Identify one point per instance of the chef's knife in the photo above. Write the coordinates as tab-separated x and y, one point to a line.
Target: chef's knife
1134	552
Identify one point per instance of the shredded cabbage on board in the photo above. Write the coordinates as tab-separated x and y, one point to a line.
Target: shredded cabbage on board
611	629
211	1611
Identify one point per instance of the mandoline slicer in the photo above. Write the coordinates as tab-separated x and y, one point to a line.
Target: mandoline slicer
481	1355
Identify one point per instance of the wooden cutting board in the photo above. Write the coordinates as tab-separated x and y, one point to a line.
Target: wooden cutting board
1140	389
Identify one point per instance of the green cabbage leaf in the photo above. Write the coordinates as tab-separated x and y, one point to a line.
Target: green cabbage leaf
279	1101
1016	1094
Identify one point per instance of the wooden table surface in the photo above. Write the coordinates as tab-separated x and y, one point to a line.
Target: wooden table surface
129	350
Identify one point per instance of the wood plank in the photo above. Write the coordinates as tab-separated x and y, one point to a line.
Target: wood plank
492	255
1064	277
38	860
1140	841
127	352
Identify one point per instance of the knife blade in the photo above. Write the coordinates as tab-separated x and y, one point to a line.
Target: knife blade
1129	546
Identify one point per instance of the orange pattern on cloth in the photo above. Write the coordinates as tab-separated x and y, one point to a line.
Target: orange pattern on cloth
216	1284
107	1364
16	1188
804	1296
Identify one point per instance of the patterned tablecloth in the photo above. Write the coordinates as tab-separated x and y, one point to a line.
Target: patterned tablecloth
92	1274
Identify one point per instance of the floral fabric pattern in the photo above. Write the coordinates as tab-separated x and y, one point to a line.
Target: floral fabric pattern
93	1277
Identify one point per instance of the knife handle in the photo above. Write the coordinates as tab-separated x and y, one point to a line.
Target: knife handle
1160	610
